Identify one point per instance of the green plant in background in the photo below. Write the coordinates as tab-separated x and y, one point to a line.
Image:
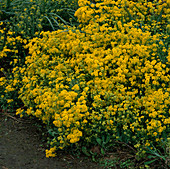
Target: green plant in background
31	16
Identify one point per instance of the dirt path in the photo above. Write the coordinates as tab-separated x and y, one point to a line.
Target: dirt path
20	149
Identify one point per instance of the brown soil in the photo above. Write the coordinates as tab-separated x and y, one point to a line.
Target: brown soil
21	148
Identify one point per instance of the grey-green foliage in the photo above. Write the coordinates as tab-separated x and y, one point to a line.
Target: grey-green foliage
30	16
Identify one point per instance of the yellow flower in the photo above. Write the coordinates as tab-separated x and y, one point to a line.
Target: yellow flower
75	87
155	133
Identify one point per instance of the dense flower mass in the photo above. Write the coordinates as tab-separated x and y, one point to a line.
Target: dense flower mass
110	76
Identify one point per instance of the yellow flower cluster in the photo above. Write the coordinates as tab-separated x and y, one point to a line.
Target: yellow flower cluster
74	136
125	10
106	78
51	152
10	45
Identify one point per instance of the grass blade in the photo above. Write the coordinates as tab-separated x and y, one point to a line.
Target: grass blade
50	23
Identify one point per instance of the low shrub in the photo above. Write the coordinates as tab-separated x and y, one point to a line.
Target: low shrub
106	81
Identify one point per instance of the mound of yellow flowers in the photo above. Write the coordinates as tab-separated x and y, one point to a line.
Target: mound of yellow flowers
109	77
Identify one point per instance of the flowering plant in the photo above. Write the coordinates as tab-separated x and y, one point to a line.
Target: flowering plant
107	78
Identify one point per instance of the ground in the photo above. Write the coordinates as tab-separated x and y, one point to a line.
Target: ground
21	148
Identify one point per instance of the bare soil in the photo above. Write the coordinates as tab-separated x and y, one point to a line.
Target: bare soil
21	148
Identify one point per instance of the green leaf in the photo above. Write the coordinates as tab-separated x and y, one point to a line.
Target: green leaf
102	151
160	15
50	23
150	156
84	150
103	138
99	141
66	23
52	132
149	162
107	139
